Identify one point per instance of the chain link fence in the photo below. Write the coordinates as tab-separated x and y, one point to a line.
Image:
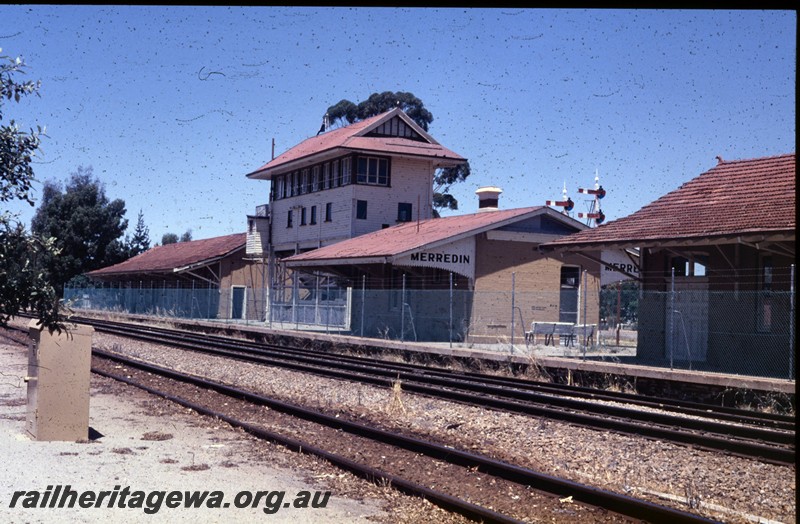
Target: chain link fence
748	333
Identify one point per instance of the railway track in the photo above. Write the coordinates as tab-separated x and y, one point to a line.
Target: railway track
410	458
766	437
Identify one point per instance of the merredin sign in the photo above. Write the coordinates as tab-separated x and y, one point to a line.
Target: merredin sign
458	257
618	266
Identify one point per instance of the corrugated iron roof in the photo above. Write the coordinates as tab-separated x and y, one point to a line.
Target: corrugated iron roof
174	256
733	198
350	137
409	236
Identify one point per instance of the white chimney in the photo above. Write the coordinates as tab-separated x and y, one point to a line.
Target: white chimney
487	198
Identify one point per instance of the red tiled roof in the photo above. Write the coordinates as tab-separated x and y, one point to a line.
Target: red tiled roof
733	198
349	137
402	238
179	255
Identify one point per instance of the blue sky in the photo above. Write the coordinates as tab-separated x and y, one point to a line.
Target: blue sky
173	106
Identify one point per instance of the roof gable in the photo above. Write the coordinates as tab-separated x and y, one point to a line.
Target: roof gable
733	198
391	133
395	126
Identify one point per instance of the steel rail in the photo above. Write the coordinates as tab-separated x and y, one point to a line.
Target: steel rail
715	436
776	421
611	501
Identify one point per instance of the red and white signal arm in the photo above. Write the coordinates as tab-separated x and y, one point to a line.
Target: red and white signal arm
598	217
567	204
599	192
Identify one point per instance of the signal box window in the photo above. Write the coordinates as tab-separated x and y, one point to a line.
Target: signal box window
403	212
361	209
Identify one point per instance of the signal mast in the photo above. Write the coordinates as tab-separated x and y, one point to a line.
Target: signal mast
595	216
565	202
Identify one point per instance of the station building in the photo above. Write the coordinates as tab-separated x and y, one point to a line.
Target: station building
208	278
717	259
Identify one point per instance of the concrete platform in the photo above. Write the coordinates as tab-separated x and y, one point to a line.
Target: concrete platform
604	360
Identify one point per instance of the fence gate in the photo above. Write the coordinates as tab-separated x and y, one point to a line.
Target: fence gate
687	321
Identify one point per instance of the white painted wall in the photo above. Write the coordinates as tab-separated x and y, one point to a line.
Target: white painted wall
411	182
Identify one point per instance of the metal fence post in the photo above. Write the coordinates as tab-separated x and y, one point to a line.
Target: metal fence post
363	301
585	319
450	334
403	311
671	318
317	317
513	298
791	322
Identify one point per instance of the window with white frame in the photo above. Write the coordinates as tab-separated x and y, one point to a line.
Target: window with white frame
372	170
316	184
346	170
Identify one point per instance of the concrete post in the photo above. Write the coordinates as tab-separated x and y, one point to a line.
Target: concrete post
59	366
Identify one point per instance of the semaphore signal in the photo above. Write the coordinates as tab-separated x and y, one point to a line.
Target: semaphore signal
565	202
595	216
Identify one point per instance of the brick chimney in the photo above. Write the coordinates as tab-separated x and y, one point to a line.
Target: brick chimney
487	198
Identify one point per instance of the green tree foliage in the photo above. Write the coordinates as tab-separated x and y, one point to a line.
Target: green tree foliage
16	147
140	242
626	295
377	103
87	227
169	238
172	238
24	283
346	112
442	181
